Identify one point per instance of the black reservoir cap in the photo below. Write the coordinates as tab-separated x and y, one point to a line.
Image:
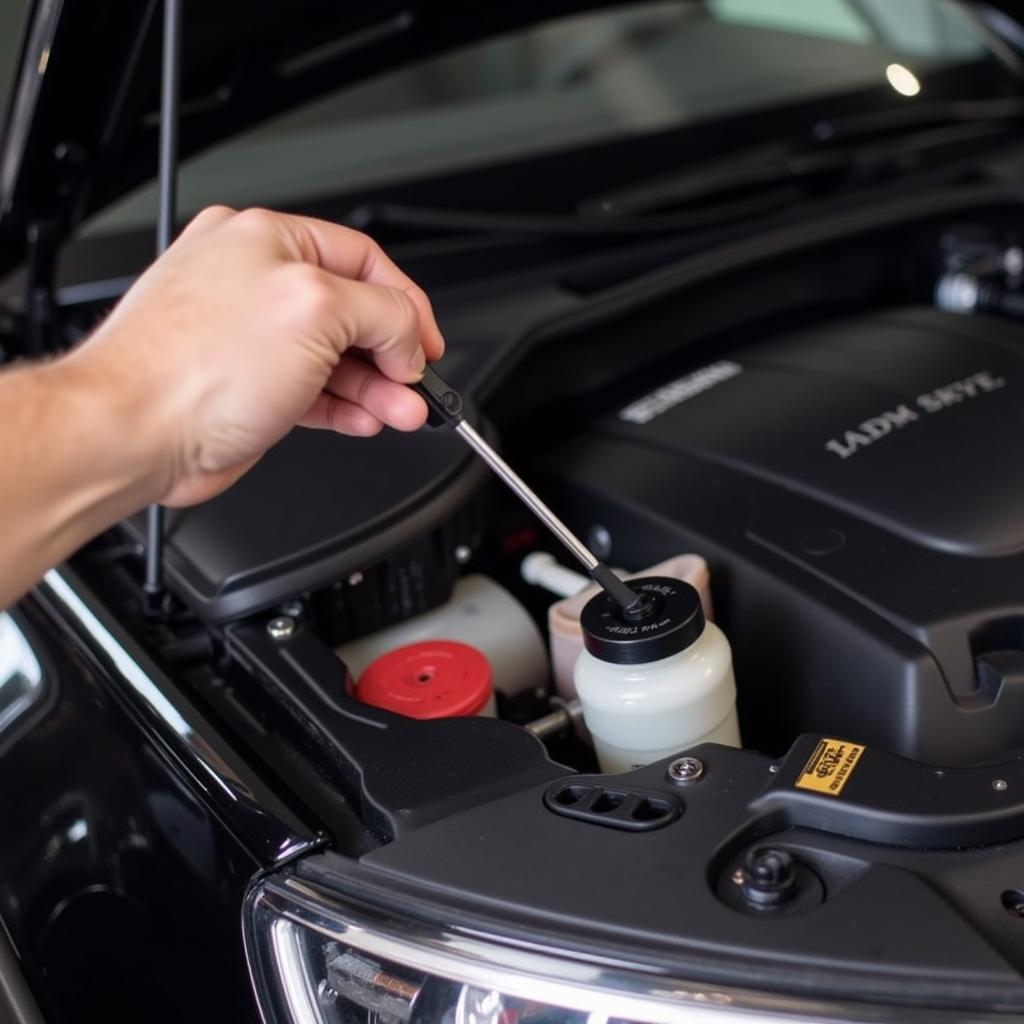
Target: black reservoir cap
676	621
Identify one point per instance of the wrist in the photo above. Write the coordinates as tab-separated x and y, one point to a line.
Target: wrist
122	449
83	457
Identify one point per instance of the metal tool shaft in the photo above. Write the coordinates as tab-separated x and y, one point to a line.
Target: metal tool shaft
444	405
516	484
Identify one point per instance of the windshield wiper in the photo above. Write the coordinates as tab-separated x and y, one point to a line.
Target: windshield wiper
760	180
833	150
440	220
854	127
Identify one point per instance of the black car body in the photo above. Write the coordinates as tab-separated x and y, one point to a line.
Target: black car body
200	822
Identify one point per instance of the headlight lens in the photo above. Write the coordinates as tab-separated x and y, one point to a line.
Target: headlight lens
21	675
316	961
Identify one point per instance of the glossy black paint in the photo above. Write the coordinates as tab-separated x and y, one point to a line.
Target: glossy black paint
129	840
121	879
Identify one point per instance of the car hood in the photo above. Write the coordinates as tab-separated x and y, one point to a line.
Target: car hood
81	126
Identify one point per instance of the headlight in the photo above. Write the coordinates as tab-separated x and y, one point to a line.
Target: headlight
21	677
314	960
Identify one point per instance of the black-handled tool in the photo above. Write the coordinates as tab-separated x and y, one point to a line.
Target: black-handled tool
444	403
446	407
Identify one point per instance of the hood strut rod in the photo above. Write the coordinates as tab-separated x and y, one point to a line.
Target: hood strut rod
170	104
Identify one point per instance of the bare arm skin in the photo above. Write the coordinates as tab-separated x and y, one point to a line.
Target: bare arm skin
249	324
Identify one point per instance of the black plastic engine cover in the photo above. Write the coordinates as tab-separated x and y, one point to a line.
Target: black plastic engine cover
857	490
319	506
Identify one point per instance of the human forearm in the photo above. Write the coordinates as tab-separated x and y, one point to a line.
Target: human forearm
249	324
78	457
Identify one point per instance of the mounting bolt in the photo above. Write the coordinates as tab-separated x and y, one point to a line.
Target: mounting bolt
463	553
1013	902
281	627
326	995
768	877
1000	785
355	578
293	609
685	770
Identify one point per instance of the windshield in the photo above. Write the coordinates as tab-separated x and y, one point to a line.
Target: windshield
581	79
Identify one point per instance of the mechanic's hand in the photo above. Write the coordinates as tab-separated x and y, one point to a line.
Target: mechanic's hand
251	323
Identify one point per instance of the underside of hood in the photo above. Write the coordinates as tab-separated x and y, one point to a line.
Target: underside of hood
82	124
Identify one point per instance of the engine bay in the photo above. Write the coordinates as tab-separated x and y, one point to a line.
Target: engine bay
738	290
837	473
808	432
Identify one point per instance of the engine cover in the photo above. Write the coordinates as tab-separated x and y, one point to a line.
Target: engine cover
857	489
386	511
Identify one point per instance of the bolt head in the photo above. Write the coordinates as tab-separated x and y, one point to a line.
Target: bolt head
769	876
281	627
685	770
1013	902
293	609
326	994
463	553
355	578
1000	785
769	869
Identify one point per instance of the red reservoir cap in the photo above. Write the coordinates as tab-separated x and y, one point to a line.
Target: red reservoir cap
431	679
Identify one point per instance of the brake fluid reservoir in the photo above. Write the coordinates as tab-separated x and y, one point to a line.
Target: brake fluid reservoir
566	634
435	679
656	685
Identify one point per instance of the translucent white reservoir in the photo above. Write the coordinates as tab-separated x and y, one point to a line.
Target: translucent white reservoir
654	685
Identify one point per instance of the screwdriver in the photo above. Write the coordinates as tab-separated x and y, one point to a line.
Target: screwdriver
446	407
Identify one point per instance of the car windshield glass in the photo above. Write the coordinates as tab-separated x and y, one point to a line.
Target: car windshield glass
574	80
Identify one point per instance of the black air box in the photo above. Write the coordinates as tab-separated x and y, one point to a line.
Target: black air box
858	490
316	509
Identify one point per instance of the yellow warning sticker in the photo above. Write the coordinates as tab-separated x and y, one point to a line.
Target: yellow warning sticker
830	766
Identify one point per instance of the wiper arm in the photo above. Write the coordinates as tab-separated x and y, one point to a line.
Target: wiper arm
773	176
831	149
854	127
441	220
711	180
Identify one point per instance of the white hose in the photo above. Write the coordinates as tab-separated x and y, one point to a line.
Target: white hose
541	569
